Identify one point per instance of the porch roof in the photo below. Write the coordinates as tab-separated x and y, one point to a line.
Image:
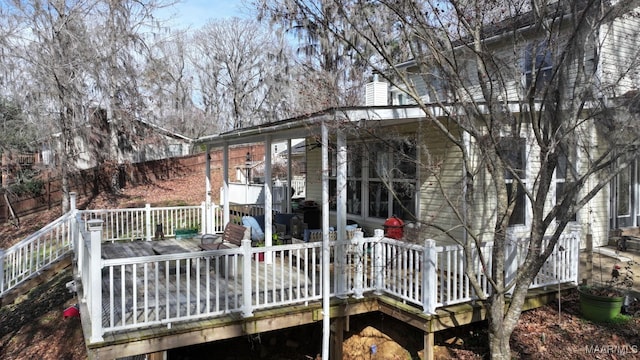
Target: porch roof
306	125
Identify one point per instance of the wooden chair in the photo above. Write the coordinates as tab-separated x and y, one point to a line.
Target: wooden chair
232	237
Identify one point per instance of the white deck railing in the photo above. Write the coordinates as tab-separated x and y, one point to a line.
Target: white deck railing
164	289
129	293
143	223
28	257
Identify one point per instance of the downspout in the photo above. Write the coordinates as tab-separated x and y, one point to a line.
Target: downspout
326	330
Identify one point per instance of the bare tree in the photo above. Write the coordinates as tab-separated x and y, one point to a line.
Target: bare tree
523	95
169	79
243	72
76	59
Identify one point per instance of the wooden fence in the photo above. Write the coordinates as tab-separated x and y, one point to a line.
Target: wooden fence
92	181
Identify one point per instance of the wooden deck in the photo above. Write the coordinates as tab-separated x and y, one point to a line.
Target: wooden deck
161	290
158	295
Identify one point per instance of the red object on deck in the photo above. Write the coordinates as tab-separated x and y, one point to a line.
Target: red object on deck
394	228
71	311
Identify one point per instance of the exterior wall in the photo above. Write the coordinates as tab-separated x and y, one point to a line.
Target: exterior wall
441	172
594	217
434	153
619	53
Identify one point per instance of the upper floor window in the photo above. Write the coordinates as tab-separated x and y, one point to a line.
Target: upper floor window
537	66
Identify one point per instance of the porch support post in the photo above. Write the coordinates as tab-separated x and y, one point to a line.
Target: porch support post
289	176
429	343
95	283
429	277
341	215
207	175
225	185
268	200
207	226
326	325
338	337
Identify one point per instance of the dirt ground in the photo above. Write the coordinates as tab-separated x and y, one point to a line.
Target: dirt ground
33	327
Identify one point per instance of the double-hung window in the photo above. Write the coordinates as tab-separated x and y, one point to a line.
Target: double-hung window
564	177
537	67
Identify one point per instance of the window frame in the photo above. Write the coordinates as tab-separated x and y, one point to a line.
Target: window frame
516	160
365	180
539	64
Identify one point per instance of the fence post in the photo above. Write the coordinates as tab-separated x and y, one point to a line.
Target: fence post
247	310
358	259
147	220
429	277
95	283
378	261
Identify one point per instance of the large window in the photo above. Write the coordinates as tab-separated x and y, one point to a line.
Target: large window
392	179
385	172
513	151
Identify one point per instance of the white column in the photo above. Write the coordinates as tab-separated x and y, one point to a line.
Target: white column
207	175
225	185
289	176
326	316
207	225
95	283
268	200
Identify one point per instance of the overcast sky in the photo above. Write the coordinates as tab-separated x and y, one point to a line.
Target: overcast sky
195	13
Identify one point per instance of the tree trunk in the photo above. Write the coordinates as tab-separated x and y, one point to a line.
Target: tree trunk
500	328
502	318
65	184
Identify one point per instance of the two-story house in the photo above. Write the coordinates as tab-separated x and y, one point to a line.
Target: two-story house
399	161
